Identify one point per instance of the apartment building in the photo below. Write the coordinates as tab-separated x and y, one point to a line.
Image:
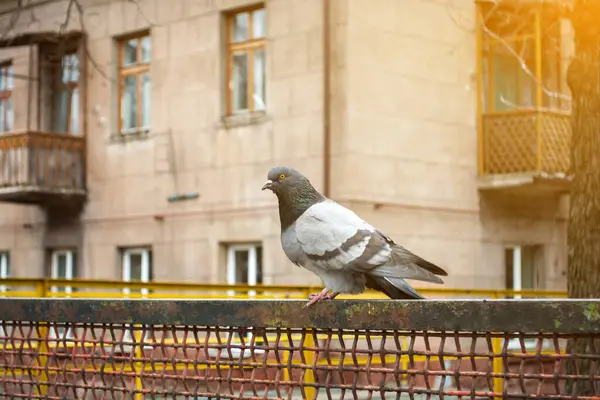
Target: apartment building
136	135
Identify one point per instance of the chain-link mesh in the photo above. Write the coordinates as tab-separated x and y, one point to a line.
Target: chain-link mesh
96	360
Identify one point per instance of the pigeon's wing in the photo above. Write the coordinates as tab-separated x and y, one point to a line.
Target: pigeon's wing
334	237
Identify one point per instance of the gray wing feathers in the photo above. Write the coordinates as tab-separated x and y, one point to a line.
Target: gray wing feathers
333	237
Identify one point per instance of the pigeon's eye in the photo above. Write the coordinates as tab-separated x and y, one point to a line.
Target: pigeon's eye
281	176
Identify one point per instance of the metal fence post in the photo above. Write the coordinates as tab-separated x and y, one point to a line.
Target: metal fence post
497	364
286	359
309	357
137	365
41	361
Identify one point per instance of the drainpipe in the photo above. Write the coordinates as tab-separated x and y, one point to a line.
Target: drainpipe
30	84
326	101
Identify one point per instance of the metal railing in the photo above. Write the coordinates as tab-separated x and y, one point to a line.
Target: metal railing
94	288
272	349
40	161
526	141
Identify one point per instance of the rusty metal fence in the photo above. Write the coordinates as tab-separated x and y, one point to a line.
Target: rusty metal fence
273	349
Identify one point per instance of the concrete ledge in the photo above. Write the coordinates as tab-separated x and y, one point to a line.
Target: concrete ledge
532	181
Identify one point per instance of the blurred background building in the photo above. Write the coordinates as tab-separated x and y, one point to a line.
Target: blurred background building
443	123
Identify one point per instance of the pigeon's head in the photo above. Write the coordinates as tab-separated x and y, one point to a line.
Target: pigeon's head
281	179
294	193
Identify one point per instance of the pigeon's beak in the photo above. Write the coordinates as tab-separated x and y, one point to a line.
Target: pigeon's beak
267	185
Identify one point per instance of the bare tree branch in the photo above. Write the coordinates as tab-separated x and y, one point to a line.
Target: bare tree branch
453	10
65	24
523	65
142	13
32	17
88	55
73	6
14	18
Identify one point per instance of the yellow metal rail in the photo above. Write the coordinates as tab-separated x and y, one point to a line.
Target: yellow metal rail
92	288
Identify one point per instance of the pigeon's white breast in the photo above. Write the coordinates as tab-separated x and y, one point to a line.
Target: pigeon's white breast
326	226
291	246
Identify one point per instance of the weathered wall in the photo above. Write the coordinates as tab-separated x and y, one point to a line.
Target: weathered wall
403	142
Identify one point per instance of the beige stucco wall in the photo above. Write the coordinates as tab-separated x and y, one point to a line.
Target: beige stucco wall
404	143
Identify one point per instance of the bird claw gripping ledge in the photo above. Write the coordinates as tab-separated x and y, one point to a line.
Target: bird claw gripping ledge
322	295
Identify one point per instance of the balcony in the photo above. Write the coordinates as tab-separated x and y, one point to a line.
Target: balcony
526	147
523	100
42	168
42	138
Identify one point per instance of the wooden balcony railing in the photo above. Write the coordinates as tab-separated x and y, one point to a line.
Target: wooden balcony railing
37	167
526	141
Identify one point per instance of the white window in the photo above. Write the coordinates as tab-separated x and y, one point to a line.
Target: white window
523	272
136	266
522	268
244	265
4	274
62	266
4	269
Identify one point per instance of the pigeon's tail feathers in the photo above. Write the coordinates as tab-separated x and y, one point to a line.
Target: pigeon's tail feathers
394	288
403	270
404	254
406	265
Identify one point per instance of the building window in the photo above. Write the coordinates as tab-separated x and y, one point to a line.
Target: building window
65	116
4	269
6	89
244	265
522	269
246	65
4	274
134	84
524	272
63	264
137	266
512	64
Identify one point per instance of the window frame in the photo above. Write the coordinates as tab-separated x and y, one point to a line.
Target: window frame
4	269
493	47
69	87
59	332
4	274
517	268
253	264
146	267
248	47
7	71
521	254
124	71
146	272
70	268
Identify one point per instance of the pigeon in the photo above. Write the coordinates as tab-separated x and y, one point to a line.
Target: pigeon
346	252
